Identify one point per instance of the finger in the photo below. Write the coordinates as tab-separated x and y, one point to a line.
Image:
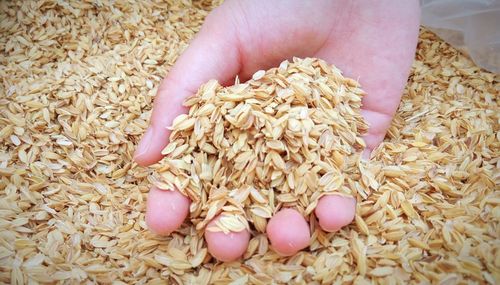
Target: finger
288	232
378	125
166	210
213	54
335	211
226	247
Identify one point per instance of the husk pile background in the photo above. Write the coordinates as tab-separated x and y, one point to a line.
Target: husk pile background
77	82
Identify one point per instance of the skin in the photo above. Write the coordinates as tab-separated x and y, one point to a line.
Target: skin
371	41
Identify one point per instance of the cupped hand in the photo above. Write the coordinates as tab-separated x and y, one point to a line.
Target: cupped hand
371	41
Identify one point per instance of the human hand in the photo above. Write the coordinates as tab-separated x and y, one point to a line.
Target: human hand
370	41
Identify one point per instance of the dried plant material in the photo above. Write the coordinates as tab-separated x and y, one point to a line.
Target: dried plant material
61	66
290	133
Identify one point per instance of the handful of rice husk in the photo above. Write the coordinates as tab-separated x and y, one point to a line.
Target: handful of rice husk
284	139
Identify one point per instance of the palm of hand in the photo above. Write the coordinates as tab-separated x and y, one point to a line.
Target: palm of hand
374	43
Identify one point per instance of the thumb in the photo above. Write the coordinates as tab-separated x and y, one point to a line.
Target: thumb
213	54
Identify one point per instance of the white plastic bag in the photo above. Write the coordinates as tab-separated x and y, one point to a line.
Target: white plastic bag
472	26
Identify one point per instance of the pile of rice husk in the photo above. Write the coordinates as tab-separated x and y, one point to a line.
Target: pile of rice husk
77	82
285	138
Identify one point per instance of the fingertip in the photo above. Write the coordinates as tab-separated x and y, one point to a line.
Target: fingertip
335	211
152	143
378	125
288	232
166	210
226	247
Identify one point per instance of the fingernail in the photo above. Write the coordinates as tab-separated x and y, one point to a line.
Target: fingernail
144	144
365	156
